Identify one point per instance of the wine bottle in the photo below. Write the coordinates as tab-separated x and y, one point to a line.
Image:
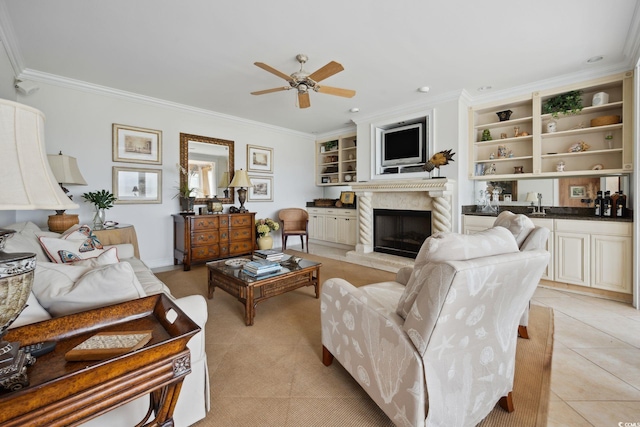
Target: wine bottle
614	204
621	207
597	211
606	204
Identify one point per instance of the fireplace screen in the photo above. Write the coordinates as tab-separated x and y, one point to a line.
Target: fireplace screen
400	232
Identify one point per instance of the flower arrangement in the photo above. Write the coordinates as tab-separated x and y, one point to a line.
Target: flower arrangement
265	226
184	191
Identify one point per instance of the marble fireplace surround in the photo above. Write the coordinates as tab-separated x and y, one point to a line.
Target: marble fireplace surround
412	194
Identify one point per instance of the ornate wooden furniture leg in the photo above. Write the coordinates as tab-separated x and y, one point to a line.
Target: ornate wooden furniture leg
327	357
522	332
506	402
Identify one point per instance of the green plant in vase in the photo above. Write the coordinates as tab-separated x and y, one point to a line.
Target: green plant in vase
102	200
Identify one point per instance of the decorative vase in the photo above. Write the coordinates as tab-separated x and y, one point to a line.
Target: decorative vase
265	242
187	203
99	218
504	115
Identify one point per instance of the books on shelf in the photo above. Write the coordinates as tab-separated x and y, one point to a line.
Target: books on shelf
268	254
261	266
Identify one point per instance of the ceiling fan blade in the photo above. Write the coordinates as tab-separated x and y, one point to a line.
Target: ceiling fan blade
347	93
273	71
275	89
327	71
303	99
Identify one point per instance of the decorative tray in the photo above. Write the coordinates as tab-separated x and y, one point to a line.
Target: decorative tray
236	262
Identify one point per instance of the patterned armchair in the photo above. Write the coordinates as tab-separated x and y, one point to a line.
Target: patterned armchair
436	347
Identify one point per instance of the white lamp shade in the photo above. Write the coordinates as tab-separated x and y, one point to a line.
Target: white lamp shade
532	197
27	180
224	181
65	169
241	179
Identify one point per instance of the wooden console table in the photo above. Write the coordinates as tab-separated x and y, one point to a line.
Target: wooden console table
63	393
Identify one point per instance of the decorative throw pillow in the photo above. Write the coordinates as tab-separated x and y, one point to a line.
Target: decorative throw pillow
25	239
65	289
447	246
519	225
73	245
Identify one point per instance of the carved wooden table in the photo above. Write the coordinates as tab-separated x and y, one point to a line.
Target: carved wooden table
251	290
65	393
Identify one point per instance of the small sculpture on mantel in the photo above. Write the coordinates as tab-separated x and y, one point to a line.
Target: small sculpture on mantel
441	158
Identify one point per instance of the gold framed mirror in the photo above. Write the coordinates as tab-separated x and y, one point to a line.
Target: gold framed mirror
210	165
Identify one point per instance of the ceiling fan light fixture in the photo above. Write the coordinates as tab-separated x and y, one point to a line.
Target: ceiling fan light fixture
354	110
423	89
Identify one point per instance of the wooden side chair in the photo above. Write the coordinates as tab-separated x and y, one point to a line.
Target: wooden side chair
294	223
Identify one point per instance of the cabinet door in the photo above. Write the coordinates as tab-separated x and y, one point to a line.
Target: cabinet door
316	226
572	258
347	230
611	263
331	228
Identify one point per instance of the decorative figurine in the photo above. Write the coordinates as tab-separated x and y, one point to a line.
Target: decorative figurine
502	151
503	135
439	159
516	131
492	156
560	166
552	126
486	135
491	170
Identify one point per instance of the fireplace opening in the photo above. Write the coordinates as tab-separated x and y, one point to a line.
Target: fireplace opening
400	232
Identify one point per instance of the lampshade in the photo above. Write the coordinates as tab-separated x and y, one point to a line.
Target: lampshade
27	180
224	181
65	169
532	197
241	179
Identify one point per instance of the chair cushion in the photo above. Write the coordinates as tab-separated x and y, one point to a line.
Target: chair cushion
447	246
26	239
518	224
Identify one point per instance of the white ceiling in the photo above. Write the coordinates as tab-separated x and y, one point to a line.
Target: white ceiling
201	52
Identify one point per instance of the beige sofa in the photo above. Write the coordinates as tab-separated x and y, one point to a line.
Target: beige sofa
63	289
437	346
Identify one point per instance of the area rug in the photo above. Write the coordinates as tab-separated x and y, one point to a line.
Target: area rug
271	373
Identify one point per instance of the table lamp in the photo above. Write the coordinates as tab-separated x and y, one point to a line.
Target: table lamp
65	169
241	180
27	184
224	183
532	197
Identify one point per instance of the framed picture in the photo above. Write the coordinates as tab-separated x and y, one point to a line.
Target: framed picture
137	145
577	191
135	185
259	159
506	187
347	197
262	190
325	179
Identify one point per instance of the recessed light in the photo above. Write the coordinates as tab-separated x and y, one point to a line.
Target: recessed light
354	109
595	59
423	89
484	88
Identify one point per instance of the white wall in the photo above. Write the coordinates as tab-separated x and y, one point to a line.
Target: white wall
79	124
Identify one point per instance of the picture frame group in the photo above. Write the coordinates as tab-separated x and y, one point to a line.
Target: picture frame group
260	160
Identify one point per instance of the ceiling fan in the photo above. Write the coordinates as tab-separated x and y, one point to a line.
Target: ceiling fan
303	81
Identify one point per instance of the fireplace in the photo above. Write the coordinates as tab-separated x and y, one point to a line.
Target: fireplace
400	232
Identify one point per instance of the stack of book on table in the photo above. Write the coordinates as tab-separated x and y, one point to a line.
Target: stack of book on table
260	267
268	254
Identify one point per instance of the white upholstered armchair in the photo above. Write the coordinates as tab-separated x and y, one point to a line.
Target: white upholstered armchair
436	347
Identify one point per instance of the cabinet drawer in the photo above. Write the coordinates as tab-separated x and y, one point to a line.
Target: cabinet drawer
240	234
201	253
241	221
204	238
594	227
244	247
205	222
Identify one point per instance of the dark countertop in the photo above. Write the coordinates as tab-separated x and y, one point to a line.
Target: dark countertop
312	205
551	213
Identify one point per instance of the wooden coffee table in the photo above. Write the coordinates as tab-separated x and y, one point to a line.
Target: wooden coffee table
251	290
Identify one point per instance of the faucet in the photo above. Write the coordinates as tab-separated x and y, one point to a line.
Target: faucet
538	210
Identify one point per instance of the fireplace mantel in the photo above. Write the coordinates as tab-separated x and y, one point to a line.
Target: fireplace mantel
412	194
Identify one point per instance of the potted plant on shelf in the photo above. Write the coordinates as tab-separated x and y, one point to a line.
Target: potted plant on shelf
263	230
102	200
565	103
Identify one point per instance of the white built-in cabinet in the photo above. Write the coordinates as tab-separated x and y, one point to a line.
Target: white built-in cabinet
336	161
524	143
595	254
333	225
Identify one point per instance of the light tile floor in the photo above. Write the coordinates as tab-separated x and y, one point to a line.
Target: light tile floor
595	378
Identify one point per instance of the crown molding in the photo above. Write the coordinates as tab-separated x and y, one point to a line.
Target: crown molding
8	38
631	49
65	82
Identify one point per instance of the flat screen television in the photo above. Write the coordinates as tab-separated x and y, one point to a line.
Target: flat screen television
403	145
